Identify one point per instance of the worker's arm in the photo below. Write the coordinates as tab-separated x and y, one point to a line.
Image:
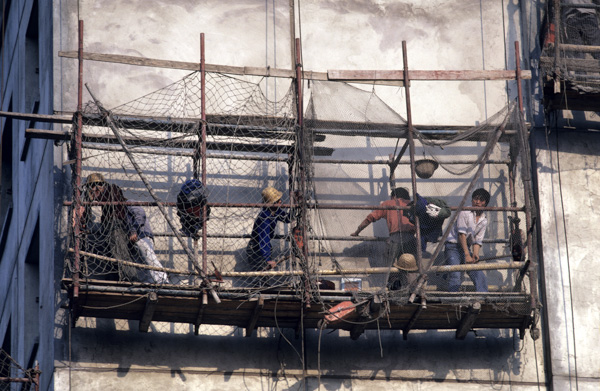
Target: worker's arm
476	248
361	226
462	241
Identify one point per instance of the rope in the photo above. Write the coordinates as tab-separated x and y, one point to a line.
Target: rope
115	306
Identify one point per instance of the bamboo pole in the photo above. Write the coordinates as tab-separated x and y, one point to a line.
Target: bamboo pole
324	272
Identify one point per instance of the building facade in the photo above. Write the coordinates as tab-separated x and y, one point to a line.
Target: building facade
39	76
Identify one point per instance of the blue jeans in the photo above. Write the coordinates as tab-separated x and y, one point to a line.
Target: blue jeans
456	256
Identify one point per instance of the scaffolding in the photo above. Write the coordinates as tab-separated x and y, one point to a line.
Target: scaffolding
329	166
570	60
11	373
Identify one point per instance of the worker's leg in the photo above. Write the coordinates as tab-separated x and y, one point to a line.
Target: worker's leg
454	256
146	250
480	280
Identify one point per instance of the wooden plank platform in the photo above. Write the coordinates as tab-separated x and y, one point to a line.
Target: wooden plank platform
283	308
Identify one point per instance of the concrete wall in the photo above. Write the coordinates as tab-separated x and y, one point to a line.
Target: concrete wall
336	35
567	165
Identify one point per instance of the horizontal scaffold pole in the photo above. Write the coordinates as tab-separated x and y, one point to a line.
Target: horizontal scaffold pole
465	75
194	66
328	272
310	206
393	77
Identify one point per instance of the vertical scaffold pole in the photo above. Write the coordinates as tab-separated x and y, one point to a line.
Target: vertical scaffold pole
557	43
527	184
411	143
203	152
77	215
302	168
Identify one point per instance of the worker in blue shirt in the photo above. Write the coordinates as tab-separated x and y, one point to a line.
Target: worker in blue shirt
259	246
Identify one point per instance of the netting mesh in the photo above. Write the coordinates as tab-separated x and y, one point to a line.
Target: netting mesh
575	46
13	374
359	176
249	146
159	207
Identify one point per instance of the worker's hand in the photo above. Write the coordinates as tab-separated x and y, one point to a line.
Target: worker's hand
469	259
133	237
475	258
271	265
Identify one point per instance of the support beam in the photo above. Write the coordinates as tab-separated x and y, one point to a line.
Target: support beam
200	315
468	320
151	302
47	134
413	319
260	303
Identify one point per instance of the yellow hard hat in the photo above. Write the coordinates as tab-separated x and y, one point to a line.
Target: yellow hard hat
271	195
406	262
94	178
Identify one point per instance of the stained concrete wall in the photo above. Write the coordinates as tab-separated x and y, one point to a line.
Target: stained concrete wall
567	166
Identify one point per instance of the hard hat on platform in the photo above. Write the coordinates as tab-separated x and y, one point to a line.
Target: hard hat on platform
406	262
271	195
94	178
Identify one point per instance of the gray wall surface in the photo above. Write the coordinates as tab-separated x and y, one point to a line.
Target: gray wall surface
567	165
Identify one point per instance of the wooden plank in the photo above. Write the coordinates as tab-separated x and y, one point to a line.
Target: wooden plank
241	313
192	66
366	75
188	66
468	320
260	303
151	302
378	76
61	119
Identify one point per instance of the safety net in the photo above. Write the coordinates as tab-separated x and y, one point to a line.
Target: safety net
225	190
571	47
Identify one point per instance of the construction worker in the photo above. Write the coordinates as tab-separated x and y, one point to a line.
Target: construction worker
131	219
191	201
402	232
259	246
467	233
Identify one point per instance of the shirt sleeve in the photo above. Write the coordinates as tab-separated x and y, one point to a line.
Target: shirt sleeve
376	215
462	222
283	215
480	232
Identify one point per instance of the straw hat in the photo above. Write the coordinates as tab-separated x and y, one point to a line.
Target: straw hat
406	262
425	168
271	195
